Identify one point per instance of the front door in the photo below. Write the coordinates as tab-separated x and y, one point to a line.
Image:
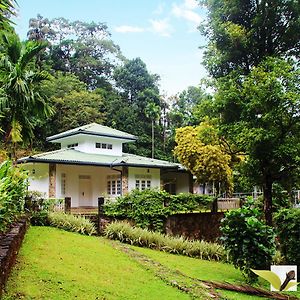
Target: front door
85	191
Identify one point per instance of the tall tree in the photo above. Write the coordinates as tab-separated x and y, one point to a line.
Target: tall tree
21	103
74	106
260	114
152	112
84	49
133	78
253	93
242	33
139	90
201	151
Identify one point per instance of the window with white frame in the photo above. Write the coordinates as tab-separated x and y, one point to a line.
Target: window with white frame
114	185
142	182
63	184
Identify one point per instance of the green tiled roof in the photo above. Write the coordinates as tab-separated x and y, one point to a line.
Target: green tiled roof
75	157
94	129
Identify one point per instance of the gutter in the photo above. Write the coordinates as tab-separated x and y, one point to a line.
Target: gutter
111	165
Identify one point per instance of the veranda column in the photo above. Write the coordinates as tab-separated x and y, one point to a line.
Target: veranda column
52	180
124	180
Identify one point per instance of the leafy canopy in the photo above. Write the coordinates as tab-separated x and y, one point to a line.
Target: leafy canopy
199	149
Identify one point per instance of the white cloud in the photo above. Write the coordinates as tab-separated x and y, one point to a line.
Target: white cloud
127	29
186	11
161	27
191	4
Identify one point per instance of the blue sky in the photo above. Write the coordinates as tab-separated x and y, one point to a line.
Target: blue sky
162	33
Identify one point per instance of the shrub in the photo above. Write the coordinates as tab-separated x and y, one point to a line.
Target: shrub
71	223
39	218
288	229
249	242
13	187
150	208
185	202
38	207
146	208
144	238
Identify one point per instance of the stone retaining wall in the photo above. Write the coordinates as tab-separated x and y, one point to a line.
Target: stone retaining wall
10	244
198	226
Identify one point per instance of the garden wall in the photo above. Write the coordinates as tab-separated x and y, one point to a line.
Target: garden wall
199	226
10	244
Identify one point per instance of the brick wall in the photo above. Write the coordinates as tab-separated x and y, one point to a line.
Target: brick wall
199	226
10	244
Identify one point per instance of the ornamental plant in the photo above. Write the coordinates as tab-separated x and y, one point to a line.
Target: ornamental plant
150	208
13	187
249	241
288	230
132	235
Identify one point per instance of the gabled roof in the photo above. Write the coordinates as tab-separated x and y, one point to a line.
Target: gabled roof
74	157
93	129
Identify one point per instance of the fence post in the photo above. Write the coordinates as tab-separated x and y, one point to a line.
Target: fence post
67	205
100	213
214	207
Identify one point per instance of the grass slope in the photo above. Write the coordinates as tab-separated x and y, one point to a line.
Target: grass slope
206	270
54	264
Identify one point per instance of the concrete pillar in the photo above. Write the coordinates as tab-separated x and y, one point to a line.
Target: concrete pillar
52	180
124	180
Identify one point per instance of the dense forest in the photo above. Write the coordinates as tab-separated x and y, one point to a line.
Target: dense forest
81	76
245	132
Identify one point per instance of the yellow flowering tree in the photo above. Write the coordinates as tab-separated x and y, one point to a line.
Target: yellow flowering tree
201	151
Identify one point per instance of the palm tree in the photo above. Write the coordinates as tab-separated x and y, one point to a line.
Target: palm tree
6	10
21	104
152	111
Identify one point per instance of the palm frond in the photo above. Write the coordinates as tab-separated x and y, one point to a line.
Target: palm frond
30	50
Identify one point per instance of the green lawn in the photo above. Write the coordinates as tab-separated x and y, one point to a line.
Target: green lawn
54	264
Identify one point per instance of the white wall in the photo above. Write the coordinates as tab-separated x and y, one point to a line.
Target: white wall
181	180
88	144
133	172
38	177
98	177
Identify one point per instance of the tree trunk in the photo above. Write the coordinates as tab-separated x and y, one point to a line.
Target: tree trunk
152	138
268	209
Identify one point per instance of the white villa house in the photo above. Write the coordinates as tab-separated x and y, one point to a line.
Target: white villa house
91	164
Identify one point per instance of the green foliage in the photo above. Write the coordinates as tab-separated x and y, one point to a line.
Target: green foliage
249	242
21	104
288	228
39	207
150	208
146	208
141	237
242	33
81	48
200	150
7	8
185	202
260	116
71	223
13	186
